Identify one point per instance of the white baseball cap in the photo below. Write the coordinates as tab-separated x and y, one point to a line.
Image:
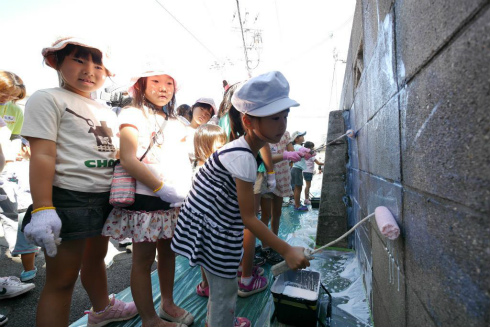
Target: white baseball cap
296	134
263	95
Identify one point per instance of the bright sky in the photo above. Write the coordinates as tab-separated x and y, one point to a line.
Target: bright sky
198	40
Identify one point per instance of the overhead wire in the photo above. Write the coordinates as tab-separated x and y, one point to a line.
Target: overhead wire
188	31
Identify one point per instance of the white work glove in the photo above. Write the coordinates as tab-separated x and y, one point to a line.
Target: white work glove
44	230
170	194
176	204
271	181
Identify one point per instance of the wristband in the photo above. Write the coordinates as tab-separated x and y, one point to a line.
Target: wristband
158	188
271	172
41	209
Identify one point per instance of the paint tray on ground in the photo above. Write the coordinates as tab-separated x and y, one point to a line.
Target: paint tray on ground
295	296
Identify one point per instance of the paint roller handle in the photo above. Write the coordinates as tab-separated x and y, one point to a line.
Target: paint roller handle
283	266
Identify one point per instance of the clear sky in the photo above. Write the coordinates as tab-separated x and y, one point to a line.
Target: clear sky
200	42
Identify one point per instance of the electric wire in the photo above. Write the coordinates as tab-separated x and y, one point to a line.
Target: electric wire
188	31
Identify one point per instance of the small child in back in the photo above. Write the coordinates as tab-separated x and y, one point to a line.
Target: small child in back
308	171
207	139
221	203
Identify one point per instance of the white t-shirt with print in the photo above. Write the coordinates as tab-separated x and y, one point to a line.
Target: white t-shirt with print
167	159
85	135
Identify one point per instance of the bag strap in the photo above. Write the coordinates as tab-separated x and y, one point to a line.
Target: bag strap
153	139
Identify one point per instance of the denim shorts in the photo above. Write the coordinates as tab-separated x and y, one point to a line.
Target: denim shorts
21	244
308	176
82	214
296	177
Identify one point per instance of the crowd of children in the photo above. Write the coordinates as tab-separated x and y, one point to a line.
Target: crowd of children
198	187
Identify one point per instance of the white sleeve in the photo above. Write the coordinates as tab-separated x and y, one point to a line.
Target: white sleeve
42	117
241	165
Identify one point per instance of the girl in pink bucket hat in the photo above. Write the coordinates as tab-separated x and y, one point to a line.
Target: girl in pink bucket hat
163	179
73	149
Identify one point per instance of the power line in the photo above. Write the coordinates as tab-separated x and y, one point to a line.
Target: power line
243	39
195	38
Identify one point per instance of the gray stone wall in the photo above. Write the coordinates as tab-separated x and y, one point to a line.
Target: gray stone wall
417	91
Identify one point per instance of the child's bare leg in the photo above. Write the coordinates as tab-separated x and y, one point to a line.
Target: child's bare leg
93	273
248	253
204	282
276	213
28	260
166	274
297	195
249	244
266	205
53	309
307	189
143	258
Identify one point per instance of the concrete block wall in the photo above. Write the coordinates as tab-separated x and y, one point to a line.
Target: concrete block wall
417	91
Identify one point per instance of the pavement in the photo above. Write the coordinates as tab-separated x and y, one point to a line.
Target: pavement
21	310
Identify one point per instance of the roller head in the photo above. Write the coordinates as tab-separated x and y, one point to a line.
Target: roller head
350	133
386	223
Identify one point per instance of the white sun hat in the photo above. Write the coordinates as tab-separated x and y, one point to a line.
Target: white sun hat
63	42
210	102
151	68
264	95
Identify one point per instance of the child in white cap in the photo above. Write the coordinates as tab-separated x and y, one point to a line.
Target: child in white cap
221	203
150	131
73	148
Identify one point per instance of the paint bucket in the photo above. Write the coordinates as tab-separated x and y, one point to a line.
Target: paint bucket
315	202
295	295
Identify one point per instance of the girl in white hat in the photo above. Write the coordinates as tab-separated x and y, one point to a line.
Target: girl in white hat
73	149
220	205
163	179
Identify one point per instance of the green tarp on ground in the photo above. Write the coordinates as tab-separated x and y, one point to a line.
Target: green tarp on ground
339	273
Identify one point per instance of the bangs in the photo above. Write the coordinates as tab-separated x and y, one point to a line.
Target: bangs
84	53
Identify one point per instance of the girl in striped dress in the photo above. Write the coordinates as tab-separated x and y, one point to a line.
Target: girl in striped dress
220	205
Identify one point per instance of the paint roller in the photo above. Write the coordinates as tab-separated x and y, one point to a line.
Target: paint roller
349	133
386	224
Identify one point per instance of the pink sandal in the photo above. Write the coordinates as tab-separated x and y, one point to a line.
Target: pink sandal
202	291
241	322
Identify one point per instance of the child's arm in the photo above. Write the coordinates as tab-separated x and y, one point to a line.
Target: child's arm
45	225
294	256
266	154
318	162
41	171
128	147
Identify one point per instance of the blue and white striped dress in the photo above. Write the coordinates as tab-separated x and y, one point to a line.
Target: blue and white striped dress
209	230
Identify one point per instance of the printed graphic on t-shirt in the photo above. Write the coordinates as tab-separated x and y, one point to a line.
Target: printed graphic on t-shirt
102	133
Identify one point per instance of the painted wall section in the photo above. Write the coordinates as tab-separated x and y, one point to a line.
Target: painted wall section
417	90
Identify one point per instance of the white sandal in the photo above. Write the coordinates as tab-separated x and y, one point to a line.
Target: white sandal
186	319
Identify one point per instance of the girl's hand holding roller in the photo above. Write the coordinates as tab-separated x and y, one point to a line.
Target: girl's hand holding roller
291	156
44	230
295	258
305	153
